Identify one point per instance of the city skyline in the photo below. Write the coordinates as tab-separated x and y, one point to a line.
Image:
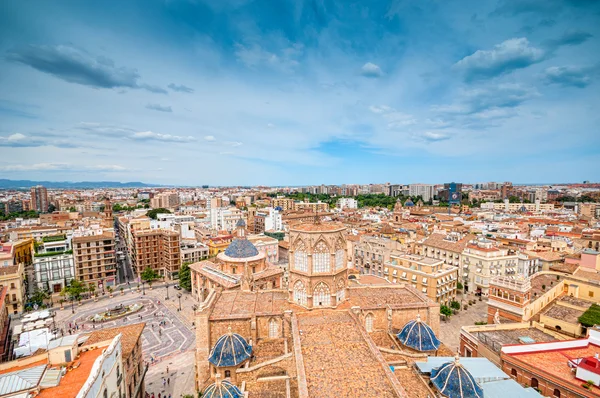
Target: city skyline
247	93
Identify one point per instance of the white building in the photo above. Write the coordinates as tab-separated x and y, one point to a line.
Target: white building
424	190
52	271
106	377
481	261
223	218
347	203
273	221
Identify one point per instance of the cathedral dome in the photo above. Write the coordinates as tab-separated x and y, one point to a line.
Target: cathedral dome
409	203
222	389
418	336
230	350
454	381
241	248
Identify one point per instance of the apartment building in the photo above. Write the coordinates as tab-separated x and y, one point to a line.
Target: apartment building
428	275
165	200
285	203
157	249
52	269
39	199
12	276
95	259
5	329
267	219
371	252
347	203
423	190
193	252
312	207
506	206
267	245
482	260
448	248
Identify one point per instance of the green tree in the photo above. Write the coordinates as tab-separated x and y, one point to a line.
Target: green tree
149	275
39	296
72	209
185	277
74	290
92	288
459	286
455	305
154	212
51	208
444	310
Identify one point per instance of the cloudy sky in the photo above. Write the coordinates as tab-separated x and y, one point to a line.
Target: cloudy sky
300	92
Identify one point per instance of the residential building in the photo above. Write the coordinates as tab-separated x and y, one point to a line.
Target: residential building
347	203
268	219
319	207
284	203
167	200
218	244
423	190
224	218
95	259
12	277
506	190
53	270
133	360
448	248
370	254
266	245
514	207
193	252
482	260
528	265
39	199
427	275
157	249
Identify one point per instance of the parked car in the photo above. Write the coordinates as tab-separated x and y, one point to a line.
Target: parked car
177	287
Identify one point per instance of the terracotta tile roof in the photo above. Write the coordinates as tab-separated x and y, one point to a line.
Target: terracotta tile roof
130	336
311	227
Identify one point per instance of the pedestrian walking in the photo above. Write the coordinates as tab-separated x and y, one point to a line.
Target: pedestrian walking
169	381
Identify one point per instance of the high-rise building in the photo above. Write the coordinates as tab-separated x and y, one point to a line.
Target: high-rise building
505	190
95	261
39	199
423	190
157	249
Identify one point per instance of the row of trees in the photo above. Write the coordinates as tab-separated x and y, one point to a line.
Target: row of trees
19	214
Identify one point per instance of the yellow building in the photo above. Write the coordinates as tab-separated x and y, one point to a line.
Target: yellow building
218	244
11	277
23	252
428	275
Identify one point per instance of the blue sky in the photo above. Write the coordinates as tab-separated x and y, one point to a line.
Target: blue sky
300	92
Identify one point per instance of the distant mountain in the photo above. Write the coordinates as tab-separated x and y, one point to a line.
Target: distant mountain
16	184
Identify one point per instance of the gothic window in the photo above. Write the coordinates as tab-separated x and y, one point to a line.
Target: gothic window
321	258
321	295
339	259
273	329
301	258
300	293
369	322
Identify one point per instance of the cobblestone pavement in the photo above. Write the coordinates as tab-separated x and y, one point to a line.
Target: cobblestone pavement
450	330
170	345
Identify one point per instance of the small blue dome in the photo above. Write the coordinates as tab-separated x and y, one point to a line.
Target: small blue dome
241	248
230	350
222	389
418	336
454	381
409	203
240	223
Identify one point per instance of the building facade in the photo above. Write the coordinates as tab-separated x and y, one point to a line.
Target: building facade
39	199
482	261
95	260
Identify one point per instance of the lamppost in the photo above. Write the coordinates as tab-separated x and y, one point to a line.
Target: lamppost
179	297
72	305
143	288
167	286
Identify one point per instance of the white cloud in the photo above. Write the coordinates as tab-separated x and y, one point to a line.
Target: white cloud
16	137
61	167
210	138
505	57
371	70
151	136
435	136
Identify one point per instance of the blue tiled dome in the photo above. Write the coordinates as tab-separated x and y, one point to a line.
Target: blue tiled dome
230	350
454	381
222	389
418	336
241	248
409	203
240	223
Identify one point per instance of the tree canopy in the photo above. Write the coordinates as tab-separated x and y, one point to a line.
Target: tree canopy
74	290
154	212
149	275
185	277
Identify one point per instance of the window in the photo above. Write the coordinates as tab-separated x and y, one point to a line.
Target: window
228	373
273	329
534	382
300	259
341	291
321	258
321	295
513	373
369	322
591	294
105	394
300	293
339	259
556	393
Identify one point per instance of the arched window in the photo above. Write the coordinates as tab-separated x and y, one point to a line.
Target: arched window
556	393
300	293
369	322
301	258
340	291
339	259
321	295
321	258
513	373
534	382
228	373
273	329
